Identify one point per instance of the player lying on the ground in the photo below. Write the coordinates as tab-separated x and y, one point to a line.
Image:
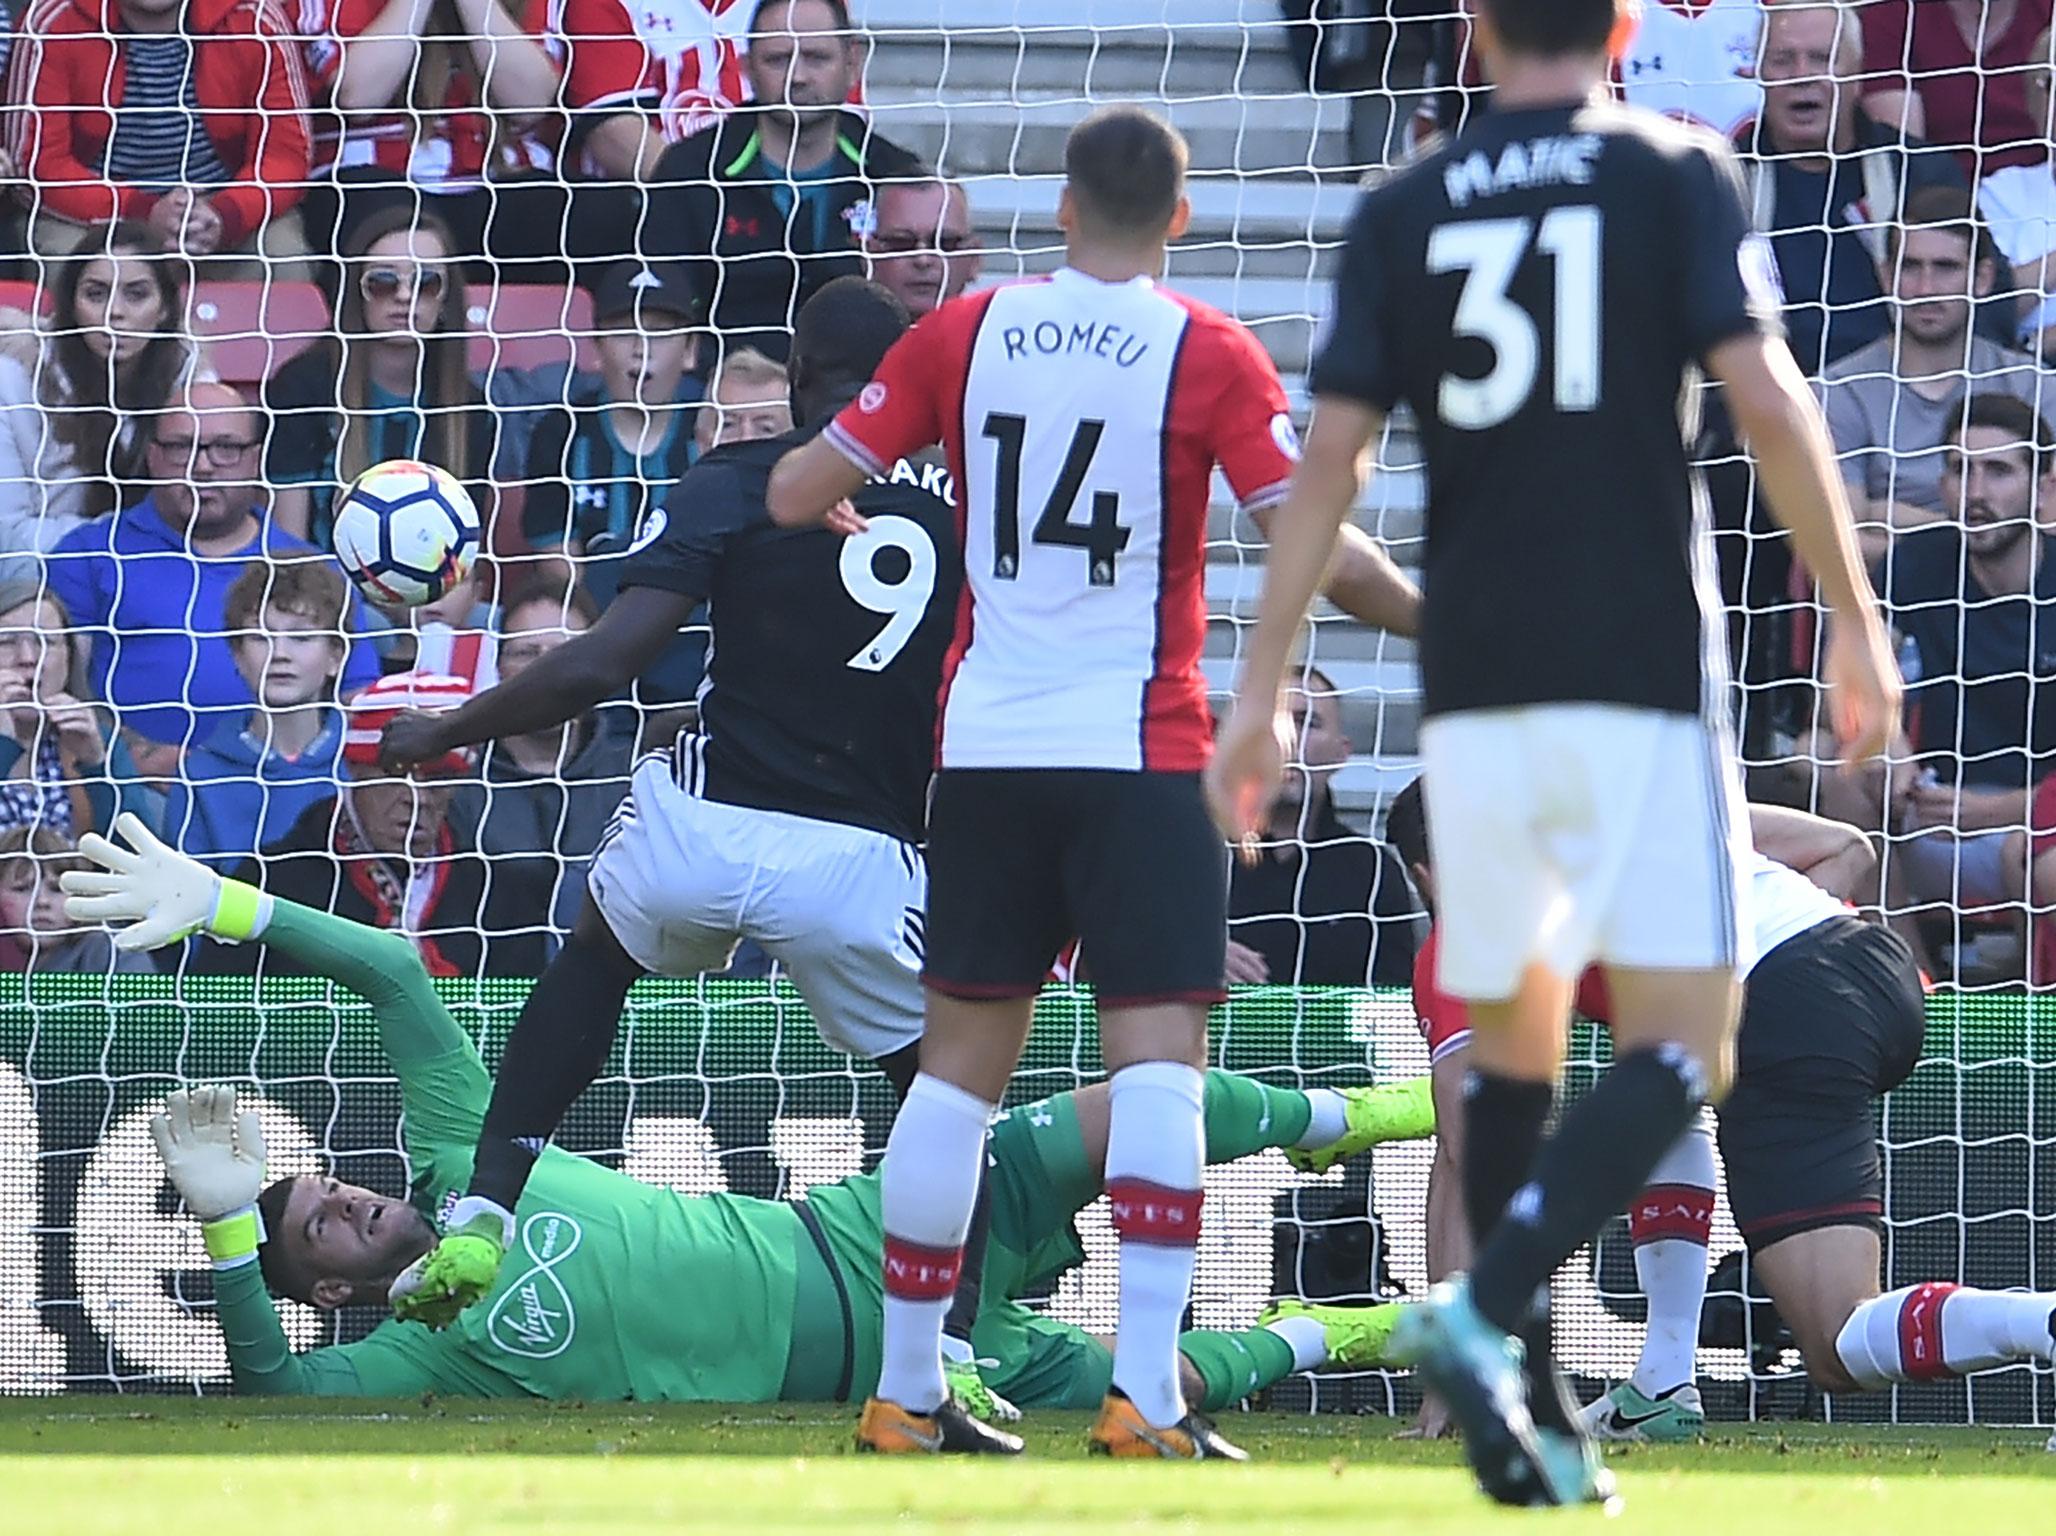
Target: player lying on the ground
1833	1016
786	1299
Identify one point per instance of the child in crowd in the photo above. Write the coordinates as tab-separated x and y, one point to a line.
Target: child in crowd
246	786
35	935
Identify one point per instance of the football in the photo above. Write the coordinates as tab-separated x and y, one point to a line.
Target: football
406	533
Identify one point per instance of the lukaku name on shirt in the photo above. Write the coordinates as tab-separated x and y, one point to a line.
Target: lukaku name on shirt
820	693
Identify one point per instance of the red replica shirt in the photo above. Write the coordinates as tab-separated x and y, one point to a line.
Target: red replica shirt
1083	422
1975	106
1445	1021
678	61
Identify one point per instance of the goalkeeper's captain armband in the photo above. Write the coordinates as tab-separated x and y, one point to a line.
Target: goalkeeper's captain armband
232	1239
240	912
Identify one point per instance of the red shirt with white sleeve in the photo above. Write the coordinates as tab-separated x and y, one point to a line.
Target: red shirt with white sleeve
1976	106
1083	421
680	61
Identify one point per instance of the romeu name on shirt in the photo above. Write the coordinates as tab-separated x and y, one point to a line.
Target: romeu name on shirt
1083	422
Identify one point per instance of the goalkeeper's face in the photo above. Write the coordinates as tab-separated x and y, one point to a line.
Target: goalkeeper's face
344	1243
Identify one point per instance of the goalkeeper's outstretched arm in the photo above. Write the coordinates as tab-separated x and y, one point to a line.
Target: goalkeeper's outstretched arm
213	1153
156	896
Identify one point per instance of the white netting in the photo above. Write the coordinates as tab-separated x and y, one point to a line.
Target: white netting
984	91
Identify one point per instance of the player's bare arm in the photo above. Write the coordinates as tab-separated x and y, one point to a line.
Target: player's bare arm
1832	854
559	686
1364	581
1781	421
811	487
1249	758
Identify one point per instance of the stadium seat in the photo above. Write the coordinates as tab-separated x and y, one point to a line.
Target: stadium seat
25	296
252	329
531	325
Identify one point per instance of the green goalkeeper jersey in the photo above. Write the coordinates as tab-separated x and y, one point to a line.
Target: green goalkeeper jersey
614	1289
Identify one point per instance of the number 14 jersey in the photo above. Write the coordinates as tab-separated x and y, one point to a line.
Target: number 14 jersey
1083	422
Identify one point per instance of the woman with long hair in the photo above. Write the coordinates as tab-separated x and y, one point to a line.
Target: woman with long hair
62	764
389	383
444	104
77	392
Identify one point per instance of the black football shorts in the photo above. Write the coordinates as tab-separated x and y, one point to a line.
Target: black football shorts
1831	1019
1021	861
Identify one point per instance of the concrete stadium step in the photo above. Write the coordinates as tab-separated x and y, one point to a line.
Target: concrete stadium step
1253	211
1260	16
1024	135
1129	56
1380	705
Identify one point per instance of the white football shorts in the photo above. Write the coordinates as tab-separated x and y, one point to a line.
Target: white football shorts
681	881
1575	833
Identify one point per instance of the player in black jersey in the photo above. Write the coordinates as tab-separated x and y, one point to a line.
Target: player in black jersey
1540	293
792	816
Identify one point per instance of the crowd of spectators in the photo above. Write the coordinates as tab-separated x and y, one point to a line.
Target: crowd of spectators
676	177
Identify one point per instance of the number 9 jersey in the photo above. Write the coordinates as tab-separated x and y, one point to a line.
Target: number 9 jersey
1083	421
819	698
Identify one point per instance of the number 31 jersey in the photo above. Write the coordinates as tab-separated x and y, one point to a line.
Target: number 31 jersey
1540	292
1083	422
819	698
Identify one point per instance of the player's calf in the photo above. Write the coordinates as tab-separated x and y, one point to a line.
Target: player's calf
1936	1330
1854	1340
1155	1156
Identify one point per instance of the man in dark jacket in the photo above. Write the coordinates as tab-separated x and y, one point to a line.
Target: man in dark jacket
1320	906
541	801
770	203
385	851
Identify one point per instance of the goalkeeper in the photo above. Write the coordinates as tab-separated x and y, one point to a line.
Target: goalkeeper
622	1290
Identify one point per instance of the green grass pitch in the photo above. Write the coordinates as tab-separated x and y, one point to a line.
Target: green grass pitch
86	1466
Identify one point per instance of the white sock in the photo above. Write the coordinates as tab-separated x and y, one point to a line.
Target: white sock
1309	1341
927	1188
1671	1223
1925	1332
1156	1151
1329	1119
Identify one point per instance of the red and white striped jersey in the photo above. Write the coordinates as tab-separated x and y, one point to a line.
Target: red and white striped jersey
1083	422
680	61
449	152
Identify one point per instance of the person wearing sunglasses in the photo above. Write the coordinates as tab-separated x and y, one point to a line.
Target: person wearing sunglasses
448	103
921	245
389	383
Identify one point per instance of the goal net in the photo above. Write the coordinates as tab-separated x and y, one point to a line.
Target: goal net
722	1084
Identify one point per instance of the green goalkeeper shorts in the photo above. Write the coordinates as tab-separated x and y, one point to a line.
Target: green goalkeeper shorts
1038	1181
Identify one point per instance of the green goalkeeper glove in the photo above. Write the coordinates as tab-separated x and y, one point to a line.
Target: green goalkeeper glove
459	1270
160	894
214	1157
